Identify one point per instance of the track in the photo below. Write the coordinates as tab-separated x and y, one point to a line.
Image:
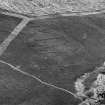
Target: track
14	34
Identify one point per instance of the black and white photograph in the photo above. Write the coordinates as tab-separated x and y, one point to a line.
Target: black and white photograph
52	52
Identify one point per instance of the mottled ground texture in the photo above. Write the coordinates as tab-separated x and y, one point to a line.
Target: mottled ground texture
57	51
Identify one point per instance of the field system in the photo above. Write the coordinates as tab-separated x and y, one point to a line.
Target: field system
29	17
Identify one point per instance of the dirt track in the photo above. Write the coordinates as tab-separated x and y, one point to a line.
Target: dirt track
56	50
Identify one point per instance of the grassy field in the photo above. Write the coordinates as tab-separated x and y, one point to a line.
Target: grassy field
57	51
7	24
